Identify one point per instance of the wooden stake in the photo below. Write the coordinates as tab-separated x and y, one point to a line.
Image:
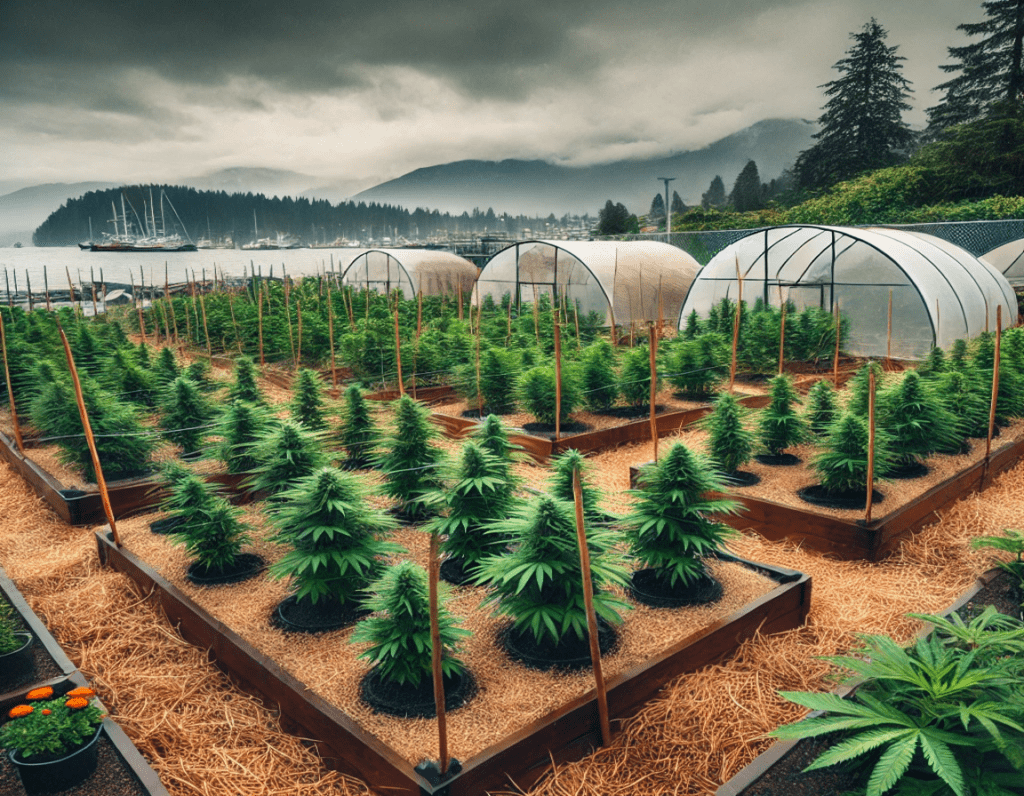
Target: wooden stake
736	324
398	353
460	297
351	309
298	357
288	318
234	323
46	289
28	287
654	390
576	320
588	601
508	323
259	324
782	338
479	395
10	392
435	656
871	444
536	314
558	381
835	359
419	313
101	482
71	290
206	331
330	337
888	331
995	387
95	312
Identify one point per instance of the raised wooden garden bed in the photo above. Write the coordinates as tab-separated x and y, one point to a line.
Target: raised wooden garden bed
122	770
51	665
855	539
567	733
795	755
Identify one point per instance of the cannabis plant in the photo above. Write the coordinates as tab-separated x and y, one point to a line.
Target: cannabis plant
941	716
535	391
635	376
410	464
699	365
285	456
758	349
600	385
245	387
199	373
539	582
166	369
211	529
935	364
308	402
499	369
730	441
493	437
143	356
335	538
1012	541
960	393
242	426
186	416
669	528
358	433
822	407
842	464
917	421
780	426
693	325
859	388
398	632
478	496
560	484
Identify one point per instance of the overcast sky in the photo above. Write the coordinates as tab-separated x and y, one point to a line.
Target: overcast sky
366	90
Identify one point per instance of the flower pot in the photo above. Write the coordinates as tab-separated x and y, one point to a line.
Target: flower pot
53	776
16	666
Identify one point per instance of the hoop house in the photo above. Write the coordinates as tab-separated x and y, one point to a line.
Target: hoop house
620	281
411	270
939	291
1008	259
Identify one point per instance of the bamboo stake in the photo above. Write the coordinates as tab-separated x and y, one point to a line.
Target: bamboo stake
508	323
138	310
479	394
995	387
10	392
588	601
536	314
888	331
558	382
298	308
782	338
871	444
288	318
435	657
398	353
576	320
46	289
167	319
28	287
419	313
330	337
71	289
259	324
654	390
101	482
234	323
10	299
349	308
206	331
736	324
95	311
611	304
835	359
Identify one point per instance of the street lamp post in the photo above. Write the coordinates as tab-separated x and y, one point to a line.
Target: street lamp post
668	210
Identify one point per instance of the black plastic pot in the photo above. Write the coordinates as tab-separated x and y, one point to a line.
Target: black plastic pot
646	587
65	772
415	701
246	566
18	665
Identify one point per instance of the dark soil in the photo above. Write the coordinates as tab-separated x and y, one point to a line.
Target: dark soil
304	616
246	566
1003	592
454	571
570	653
742	478
706	397
548	431
474	414
631	412
111	778
408	701
780	460
43	666
817	495
647	588
907	471
166	525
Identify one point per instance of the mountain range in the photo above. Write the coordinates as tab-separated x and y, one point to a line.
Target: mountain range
519	187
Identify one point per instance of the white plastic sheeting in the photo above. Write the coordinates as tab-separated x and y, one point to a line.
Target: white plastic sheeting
939	291
1008	259
411	271
620	281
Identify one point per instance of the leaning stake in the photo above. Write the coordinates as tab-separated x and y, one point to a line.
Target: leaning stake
101	482
871	443
736	324
206	331
10	392
835	359
558	381
995	387
588	600
330	337
398	351
435	658
654	389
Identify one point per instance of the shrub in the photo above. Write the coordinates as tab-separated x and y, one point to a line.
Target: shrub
245	387
730	442
335	538
780	427
822	406
358	433
635	378
539	583
286	456
842	464
535	391
669	528
410	465
399	630
307	401
600	386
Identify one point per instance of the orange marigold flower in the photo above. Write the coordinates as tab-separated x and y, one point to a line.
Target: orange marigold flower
77	703
40	693
81	691
20	710
46	711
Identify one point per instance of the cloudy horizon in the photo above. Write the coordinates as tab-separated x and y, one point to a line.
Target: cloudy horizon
361	92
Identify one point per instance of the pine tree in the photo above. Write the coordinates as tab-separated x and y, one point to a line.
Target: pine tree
746	191
715	194
657	212
308	402
678	206
730	442
862	126
358	433
989	72
410	465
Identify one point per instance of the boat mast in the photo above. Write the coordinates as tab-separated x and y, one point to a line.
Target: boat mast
124	215
152	212
163	223
113	209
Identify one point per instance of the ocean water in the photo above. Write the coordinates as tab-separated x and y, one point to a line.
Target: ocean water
125	267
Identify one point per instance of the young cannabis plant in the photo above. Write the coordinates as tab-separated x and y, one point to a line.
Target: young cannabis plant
285	456
560	484
600	385
822	407
245	387
499	369
243	426
186	415
535	391
308	403
399	630
211	528
730	441
635	377
1012	541
336	539
842	464
358	433
780	426
699	365
166	369
917	421
410	466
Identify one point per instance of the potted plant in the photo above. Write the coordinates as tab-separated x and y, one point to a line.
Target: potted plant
336	548
307	403
479	495
671	533
538	584
16	659
730	441
410	465
186	416
398	632
245	387
842	465
822	407
286	455
780	426
600	385
52	740
358	433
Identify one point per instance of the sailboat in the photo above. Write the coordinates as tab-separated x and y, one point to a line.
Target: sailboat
150	239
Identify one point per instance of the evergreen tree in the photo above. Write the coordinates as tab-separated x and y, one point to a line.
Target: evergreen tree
862	126
615	219
657	212
746	191
410	465
308	402
678	206
989	71
358	433
715	194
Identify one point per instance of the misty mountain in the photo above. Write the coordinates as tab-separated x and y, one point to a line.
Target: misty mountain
536	187
24	210
269	182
